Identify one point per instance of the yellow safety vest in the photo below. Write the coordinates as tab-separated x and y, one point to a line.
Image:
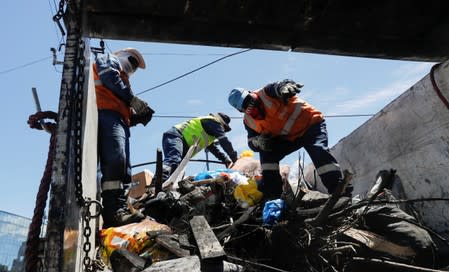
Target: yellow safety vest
192	130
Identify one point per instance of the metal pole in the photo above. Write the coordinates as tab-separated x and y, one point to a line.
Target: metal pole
38	108
207	160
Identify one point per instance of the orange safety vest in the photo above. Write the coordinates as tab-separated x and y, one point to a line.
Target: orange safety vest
291	120
107	100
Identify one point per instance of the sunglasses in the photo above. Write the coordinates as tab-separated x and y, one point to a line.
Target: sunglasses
134	62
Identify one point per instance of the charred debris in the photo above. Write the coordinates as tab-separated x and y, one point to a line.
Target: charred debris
202	226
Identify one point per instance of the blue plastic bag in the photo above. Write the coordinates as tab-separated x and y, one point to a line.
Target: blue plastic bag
211	174
272	211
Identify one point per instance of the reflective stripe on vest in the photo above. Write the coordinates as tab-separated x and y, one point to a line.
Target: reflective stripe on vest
290	120
266	101
330	167
250	122
270	166
111	185
107	100
192	130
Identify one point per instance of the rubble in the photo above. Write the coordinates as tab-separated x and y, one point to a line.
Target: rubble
202	226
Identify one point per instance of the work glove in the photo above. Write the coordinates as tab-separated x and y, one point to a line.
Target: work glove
262	143
141	112
287	89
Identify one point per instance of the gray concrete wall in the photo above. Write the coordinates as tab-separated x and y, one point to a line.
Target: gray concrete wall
411	135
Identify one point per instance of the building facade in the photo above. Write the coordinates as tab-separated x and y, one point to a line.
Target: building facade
13	235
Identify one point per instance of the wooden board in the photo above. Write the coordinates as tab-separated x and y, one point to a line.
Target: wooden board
207	242
191	264
176	176
169	242
378	243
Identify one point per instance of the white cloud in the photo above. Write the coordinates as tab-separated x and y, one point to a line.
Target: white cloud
407	75
412	70
194	102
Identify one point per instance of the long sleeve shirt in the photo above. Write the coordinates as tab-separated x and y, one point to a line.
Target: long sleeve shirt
109	71
215	129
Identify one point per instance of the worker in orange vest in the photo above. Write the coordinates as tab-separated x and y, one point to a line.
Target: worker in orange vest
118	109
278	123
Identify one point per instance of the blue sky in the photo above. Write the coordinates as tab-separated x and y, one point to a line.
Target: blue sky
334	84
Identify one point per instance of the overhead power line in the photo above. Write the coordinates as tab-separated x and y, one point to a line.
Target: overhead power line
348	115
197	69
183	54
241	117
24	65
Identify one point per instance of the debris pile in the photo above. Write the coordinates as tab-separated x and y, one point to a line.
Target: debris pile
219	221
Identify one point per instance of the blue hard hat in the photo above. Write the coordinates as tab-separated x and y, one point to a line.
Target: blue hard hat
236	98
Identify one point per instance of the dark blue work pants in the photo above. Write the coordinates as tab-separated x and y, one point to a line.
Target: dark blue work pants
113	147
174	148
315	142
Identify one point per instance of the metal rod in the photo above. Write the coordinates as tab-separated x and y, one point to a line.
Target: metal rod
38	108
158	186
153	162
207	160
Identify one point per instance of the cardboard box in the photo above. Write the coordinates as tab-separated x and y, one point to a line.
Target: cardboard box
142	180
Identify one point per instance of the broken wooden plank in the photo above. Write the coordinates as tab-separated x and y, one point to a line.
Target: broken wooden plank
208	244
176	176
191	264
378	243
170	243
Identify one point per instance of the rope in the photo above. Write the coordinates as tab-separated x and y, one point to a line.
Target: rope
435	86
32	243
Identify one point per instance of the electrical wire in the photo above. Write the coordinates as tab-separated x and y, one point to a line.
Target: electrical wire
349	115
182	54
54	12
24	65
241	117
184	116
197	69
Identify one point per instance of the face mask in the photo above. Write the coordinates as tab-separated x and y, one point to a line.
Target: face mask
126	65
255	108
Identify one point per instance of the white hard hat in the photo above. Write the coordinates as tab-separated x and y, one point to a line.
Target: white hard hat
134	53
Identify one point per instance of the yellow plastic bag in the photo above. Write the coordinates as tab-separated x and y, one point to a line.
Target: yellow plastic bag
132	237
248	194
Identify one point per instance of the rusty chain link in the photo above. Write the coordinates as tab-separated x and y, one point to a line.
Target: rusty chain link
58	16
84	203
89	265
78	122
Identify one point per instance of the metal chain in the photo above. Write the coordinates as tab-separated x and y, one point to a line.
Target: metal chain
87	231
59	14
60	11
89	265
78	122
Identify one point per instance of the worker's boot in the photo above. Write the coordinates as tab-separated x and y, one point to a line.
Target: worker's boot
166	172
115	209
